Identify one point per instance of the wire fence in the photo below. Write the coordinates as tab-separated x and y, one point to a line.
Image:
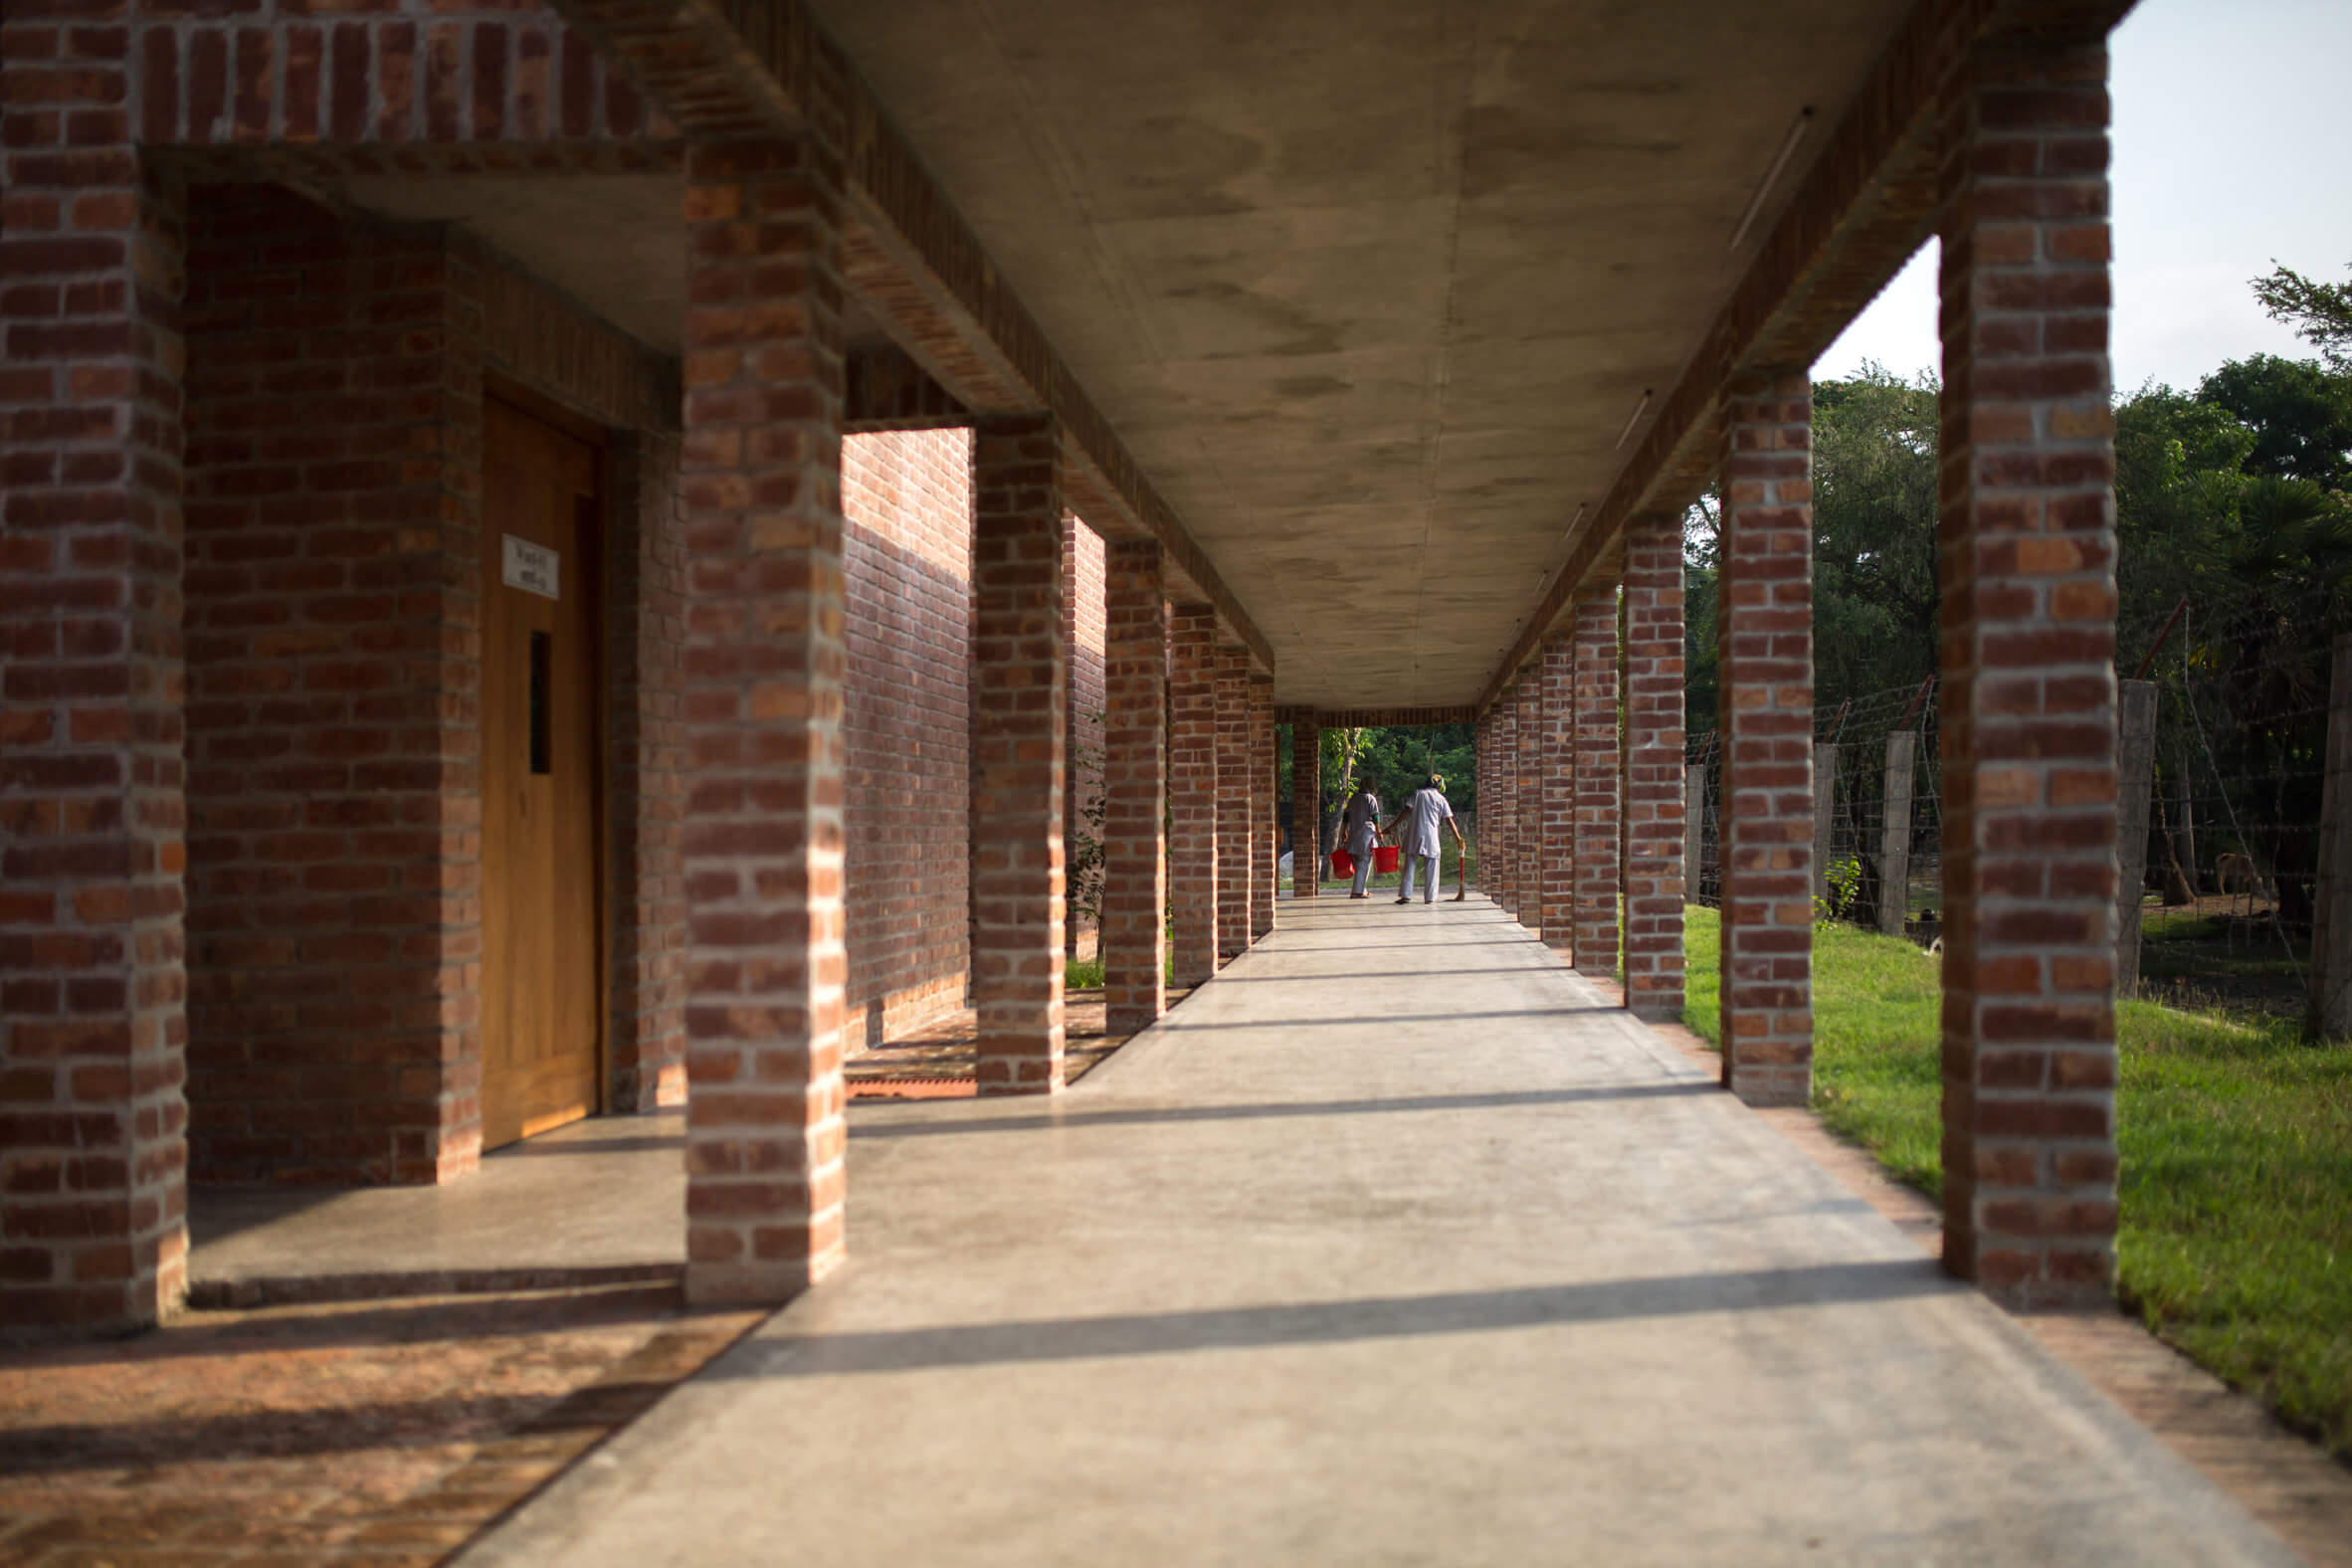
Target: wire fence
2234	788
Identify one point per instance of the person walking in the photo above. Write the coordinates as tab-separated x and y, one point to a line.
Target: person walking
1422	814
1360	831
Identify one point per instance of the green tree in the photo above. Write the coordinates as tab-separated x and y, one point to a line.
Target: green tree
2299	414
1875	486
2320	314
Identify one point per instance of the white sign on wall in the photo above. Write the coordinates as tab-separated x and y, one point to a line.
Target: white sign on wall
532	567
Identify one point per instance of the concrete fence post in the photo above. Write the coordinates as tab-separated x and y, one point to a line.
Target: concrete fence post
1825	811
1894	834
2135	776
2330	1010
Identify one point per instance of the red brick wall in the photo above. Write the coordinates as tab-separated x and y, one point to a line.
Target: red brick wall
92	1021
1593	625
1652	773
1765	633
418	71
908	556
1019	733
334	439
2028	702
1195	829
332	593
1082	635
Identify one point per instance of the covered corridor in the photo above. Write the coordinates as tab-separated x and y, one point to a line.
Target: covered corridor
1396	1241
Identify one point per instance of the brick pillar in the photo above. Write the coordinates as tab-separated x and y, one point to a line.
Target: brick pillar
1556	915
93	978
1135	787
1265	834
1306	808
1594	629
1020	744
1653	766
1192	791
1506	805
2029	691
764	670
1234	796
1765	633
1487	809
1528	694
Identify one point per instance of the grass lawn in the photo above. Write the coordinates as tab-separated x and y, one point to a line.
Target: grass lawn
2236	1137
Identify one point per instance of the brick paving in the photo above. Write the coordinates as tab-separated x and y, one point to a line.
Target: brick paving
367	1434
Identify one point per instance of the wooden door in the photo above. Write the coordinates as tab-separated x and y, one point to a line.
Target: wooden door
542	989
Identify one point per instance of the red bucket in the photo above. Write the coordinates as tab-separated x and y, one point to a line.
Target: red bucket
1384	858
1343	865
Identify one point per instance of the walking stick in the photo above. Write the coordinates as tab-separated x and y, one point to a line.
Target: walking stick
1461	878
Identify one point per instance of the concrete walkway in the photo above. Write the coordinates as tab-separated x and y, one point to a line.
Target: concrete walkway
1392	1245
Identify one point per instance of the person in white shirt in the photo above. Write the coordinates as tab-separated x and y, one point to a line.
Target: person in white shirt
1427	808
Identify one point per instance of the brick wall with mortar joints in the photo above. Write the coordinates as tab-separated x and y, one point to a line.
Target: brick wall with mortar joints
1765	633
1502	806
1193	824
1019	736
1135	783
907	560
1527	791
1083	634
1234	799
2028	699
1651	766
333	382
645	631
1264	832
1593	626
764	675
1482	825
1556	669
93	1023
403	71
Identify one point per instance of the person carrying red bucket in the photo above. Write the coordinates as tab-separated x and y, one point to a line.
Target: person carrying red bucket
1422	814
1359	835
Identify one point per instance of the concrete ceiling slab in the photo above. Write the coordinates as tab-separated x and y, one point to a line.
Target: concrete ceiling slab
1369	290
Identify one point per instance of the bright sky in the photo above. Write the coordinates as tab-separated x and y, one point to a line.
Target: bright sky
2233	147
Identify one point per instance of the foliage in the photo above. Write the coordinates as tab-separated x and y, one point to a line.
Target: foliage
2320	314
2298	414
1875	576
1083	850
2236	1139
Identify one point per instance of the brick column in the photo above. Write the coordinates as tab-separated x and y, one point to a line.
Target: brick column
2029	692
1487	809
1306	808
1594	628
1765	633
1264	836
764	671
93	979
1192	791
1135	787
1653	766
1234	796
1020	748
1530	828
1556	915
1506	805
